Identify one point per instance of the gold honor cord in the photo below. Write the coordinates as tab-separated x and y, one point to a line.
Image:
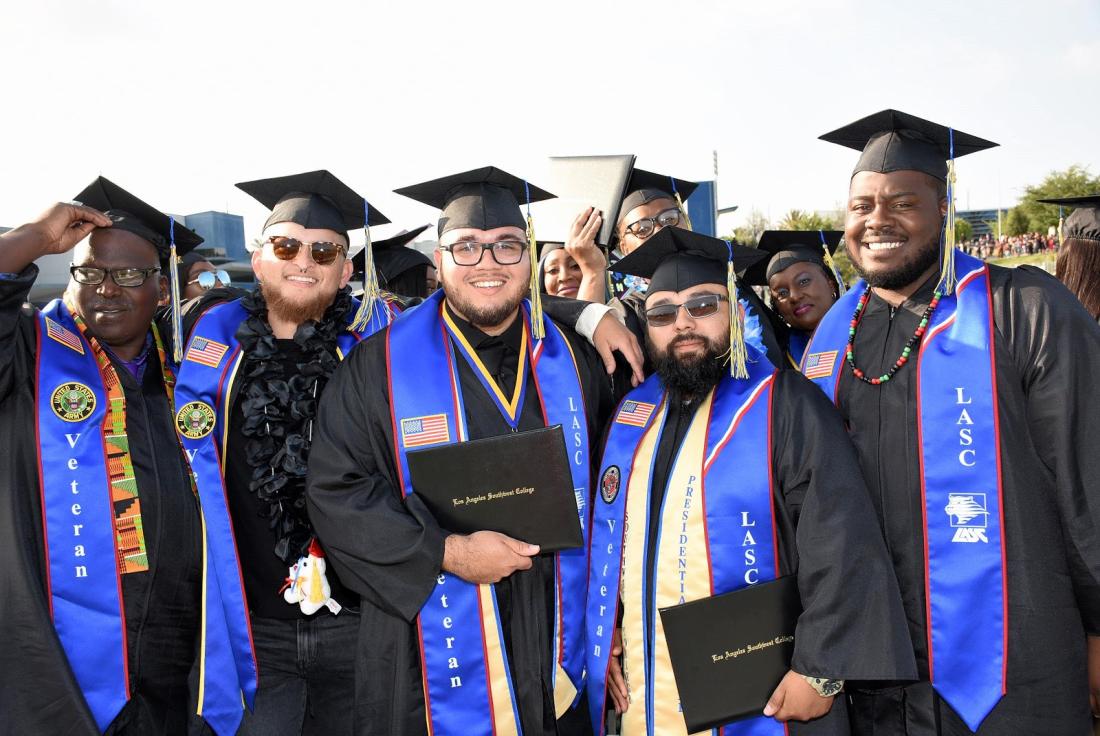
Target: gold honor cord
537	330
174	293
371	290
737	352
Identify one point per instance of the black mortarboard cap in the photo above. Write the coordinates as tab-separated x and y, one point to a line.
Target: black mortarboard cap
1084	222
646	186
784	248
896	141
129	213
483	199
316	200
674	259
395	244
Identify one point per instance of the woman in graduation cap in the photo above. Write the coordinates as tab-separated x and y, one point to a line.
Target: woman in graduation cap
801	280
105	587
1078	264
968	390
252	374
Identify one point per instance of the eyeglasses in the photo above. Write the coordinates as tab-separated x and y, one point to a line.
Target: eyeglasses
92	276
470	252
646	226
208	279
697	307
322	251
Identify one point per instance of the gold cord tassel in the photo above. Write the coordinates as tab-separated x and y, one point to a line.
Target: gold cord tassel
1061	220
371	290
174	293
738	353
683	212
831	264
946	284
537	330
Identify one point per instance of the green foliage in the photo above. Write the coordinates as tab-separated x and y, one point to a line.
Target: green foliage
1073	182
799	220
963	230
1016	222
749	233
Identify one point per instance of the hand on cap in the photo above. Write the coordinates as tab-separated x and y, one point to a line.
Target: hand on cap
581	245
486	557
56	230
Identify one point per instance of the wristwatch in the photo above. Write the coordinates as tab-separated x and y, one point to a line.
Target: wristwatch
825	688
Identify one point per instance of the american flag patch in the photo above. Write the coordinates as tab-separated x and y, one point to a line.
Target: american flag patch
429	430
820	365
63	336
635	413
206	352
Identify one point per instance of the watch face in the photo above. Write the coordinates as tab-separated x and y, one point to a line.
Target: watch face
831	687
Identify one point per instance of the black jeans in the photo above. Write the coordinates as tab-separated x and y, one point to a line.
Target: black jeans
307	675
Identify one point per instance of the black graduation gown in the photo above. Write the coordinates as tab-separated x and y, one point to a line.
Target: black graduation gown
827	536
391	551
1047	351
162	605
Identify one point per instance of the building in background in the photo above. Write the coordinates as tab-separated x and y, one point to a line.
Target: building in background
982	222
222	234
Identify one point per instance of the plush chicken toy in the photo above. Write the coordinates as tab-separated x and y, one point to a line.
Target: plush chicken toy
307	585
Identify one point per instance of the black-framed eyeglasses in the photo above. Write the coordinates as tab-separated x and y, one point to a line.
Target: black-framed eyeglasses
209	279
323	252
470	252
92	276
646	226
697	307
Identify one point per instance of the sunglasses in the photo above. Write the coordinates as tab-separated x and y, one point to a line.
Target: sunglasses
322	251
697	307
209	279
646	226
92	276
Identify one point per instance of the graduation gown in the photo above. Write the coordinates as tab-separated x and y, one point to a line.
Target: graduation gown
390	550
1047	352
39	694
827	537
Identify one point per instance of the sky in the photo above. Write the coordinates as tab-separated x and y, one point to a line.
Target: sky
178	101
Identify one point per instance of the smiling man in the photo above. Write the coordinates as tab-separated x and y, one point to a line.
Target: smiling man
441	611
967	390
103	579
779	494
252	374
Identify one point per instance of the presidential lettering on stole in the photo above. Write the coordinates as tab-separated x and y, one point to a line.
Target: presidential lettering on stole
967	511
79	571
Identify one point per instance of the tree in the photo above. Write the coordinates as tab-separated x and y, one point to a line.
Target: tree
1016	222
963	230
799	220
749	233
1075	181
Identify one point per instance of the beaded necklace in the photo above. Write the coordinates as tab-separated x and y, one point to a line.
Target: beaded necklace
904	358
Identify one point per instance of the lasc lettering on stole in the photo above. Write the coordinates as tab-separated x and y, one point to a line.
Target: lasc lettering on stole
79	571
578	458
748	543
967	512
448	623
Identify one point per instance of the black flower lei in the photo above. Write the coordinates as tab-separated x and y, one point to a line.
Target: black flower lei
279	411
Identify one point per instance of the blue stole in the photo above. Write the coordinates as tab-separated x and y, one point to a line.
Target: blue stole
468	687
203	391
716	534
960	463
796	346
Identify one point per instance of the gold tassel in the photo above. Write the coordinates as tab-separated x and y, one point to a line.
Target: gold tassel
738	353
537	330
1061	220
174	293
683	211
840	287
946	284
371	289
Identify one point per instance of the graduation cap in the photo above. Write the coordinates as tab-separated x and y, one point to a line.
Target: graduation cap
485	199
1083	223
784	248
896	141
391	257
674	259
171	239
646	186
316	200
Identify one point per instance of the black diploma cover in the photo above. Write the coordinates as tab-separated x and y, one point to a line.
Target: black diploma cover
517	484
730	651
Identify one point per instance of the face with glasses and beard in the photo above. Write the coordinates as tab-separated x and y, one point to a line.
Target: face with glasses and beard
299	290
488	294
628	241
689	355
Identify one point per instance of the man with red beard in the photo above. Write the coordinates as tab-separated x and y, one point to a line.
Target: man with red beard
252	373
715	478
442	611
965	390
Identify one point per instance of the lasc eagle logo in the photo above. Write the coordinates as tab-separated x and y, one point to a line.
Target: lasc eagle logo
195	420
969	516
73	402
609	484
